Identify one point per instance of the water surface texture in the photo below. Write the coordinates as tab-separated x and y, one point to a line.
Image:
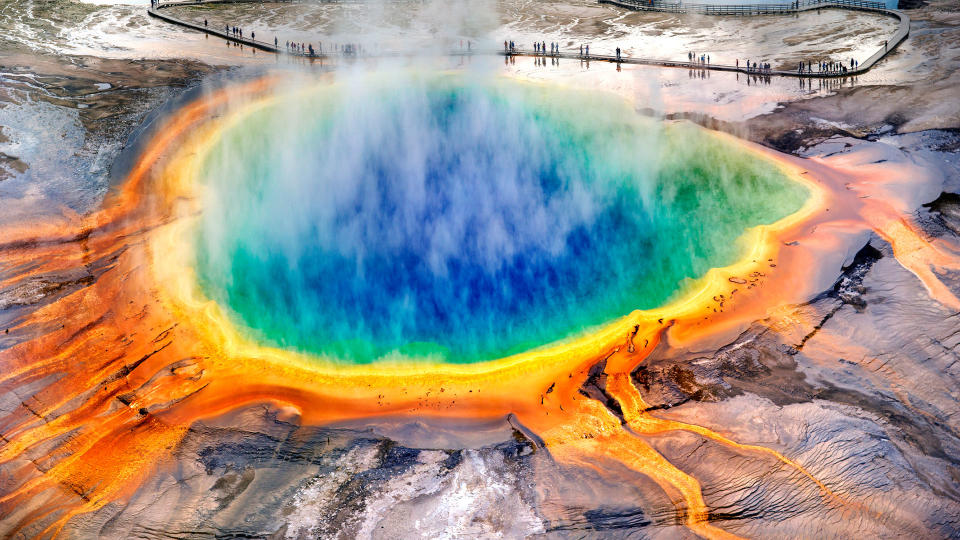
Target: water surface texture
464	222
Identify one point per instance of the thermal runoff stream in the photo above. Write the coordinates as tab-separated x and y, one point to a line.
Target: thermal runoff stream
437	218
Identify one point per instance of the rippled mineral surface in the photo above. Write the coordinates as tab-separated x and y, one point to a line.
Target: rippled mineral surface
826	405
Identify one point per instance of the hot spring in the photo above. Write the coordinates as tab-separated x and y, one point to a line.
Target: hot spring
458	221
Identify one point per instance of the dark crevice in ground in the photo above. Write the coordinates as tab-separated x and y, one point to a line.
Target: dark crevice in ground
942	215
595	387
757	361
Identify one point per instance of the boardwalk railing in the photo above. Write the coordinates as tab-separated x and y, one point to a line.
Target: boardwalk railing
784	8
903	30
223	32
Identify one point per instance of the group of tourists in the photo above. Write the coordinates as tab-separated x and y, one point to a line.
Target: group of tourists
541	48
838	68
236	31
306	49
298	48
302	48
703	59
828	67
757	67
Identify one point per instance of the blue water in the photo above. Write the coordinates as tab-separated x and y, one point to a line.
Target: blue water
466	223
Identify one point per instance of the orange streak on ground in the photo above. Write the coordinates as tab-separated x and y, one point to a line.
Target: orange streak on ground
140	356
594	431
633	406
915	252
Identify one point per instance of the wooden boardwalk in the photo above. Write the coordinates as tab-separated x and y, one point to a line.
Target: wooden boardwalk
156	11
788	7
903	30
799	6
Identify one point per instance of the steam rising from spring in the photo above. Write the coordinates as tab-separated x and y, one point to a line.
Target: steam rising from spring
462	218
